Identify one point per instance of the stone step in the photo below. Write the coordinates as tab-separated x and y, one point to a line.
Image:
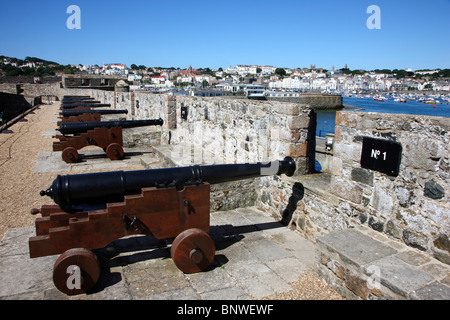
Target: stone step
360	266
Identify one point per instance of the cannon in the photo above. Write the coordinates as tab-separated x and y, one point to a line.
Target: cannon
84	105
73	112
76	128
104	134
86	99
77	100
94	209
76	97
86	115
68	97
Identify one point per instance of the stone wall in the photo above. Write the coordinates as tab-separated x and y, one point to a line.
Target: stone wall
12	105
239	131
224	130
316	101
29	89
413	206
236	131
90	80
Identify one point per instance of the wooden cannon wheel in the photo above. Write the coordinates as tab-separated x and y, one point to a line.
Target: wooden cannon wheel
70	280
70	155
114	151
193	250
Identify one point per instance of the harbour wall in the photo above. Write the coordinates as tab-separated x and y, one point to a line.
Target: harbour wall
316	101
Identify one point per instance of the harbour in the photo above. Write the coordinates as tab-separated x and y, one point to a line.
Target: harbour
367	103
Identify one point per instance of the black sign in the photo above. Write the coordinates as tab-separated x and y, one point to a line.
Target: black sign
381	155
184	113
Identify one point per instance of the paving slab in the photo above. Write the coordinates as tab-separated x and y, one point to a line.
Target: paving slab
355	247
399	276
95	159
371	261
433	291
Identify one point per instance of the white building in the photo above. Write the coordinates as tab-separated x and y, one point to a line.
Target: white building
201	78
427	71
158	79
267	70
134	77
115	69
244	69
231	70
187	79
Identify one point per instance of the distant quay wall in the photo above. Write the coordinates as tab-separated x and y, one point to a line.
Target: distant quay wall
315	101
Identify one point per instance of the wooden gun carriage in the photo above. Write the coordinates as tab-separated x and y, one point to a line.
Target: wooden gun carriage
104	134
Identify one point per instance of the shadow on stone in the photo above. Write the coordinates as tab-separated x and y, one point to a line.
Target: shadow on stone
145	248
298	191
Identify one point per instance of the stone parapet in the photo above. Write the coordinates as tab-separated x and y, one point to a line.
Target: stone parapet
362	264
412	207
316	101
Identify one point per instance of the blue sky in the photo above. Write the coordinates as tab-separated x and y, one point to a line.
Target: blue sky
413	34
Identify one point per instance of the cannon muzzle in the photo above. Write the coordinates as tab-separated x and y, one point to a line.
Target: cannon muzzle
80	127
106	187
76	112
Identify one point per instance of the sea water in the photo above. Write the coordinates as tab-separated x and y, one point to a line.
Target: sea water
326	118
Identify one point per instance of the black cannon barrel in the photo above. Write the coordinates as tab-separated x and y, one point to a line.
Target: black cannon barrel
70	102
80	127
77	98
91	105
67	101
106	187
76	112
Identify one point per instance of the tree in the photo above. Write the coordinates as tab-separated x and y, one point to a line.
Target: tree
134	67
358	72
345	70
206	71
387	71
280	72
444	73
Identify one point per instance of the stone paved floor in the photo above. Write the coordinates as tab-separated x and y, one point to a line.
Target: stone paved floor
256	257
